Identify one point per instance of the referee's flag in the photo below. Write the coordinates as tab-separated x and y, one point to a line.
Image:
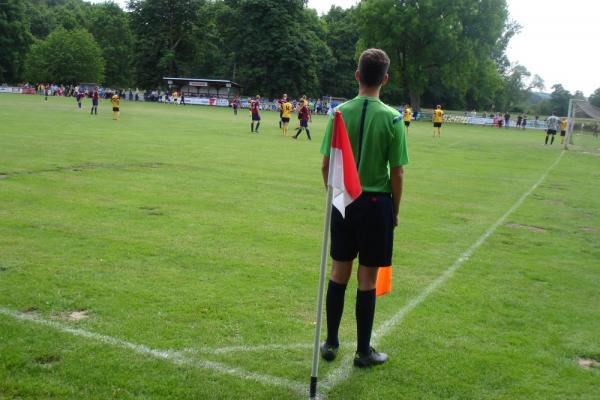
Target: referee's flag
343	176
384	281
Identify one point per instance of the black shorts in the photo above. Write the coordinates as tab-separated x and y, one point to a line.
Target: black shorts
551	132
95	102
563	133
367	231
437	124
255	117
285	120
407	123
116	109
304	123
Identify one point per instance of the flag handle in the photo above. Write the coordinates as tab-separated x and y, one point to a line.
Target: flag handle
315	360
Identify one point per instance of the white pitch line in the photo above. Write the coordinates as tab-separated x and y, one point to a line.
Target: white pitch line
168	355
341	373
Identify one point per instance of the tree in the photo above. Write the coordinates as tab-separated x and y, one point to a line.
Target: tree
163	31
437	46
14	40
110	27
595	98
342	35
559	99
65	56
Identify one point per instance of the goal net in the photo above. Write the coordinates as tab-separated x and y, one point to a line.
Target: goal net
583	129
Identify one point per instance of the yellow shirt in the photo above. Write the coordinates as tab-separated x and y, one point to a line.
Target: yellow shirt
115	101
563	125
175	95
286	109
407	114
438	116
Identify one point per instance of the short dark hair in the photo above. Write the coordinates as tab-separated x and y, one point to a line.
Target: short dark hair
373	64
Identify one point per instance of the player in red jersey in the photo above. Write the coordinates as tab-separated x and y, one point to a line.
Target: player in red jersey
95	97
304	116
255	111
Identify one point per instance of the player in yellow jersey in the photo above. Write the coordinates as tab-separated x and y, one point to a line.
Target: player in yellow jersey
175	98
407	116
286	110
438	118
116	103
563	130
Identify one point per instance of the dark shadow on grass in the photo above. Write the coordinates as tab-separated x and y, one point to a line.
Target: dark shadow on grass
83	167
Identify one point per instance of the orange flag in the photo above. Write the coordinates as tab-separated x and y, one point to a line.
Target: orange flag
384	281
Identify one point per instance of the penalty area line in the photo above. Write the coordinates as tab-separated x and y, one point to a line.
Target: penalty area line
341	373
174	357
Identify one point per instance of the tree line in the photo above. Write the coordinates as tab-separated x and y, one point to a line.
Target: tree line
451	52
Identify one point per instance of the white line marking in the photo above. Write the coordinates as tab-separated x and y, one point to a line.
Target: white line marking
341	373
168	355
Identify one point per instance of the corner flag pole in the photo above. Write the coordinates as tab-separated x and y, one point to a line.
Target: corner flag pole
326	225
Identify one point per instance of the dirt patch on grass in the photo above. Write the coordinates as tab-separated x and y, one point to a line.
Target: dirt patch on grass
531	228
3	176
48	360
556	203
76	315
589	229
588	363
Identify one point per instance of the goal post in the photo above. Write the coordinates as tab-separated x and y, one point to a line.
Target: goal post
583	121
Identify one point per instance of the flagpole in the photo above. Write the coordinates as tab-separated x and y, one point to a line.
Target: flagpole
315	360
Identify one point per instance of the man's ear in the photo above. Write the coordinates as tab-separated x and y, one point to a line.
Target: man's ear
357	76
385	80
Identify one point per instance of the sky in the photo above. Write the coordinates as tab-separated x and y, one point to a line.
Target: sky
558	39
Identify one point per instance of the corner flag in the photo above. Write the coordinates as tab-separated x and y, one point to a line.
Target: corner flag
343	176
343	187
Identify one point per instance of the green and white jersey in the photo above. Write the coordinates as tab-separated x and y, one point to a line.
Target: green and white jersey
378	140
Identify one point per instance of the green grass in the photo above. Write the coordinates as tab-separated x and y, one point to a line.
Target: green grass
177	229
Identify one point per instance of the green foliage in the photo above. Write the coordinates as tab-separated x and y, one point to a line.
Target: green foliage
163	31
595	98
110	26
438	48
67	57
14	40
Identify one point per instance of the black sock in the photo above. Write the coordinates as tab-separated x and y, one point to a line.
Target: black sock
298	132
365	314
257	125
552	140
335	308
308	133
252	127
546	142
279	124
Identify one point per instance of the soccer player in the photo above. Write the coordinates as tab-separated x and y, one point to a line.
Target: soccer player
175	97
235	105
304	116
255	111
524	122
377	137
506	120
563	129
438	118
595	131
79	98
280	104
286	110
552	123
95	97
407	116
116	106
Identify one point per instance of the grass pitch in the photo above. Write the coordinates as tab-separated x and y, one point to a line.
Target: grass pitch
191	247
